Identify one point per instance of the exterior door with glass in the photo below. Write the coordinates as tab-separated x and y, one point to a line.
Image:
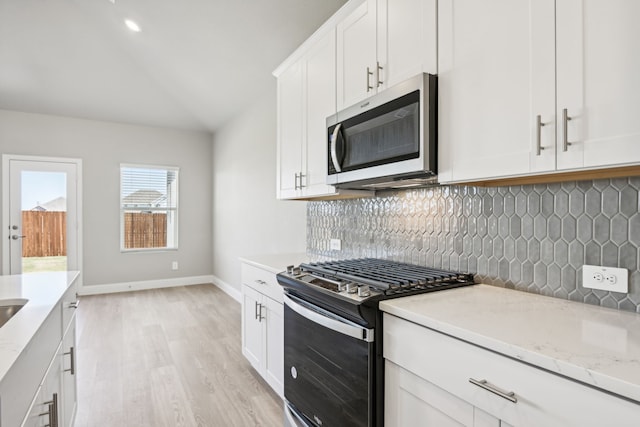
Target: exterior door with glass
40	218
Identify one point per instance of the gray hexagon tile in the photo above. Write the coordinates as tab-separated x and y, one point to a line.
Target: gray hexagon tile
533	238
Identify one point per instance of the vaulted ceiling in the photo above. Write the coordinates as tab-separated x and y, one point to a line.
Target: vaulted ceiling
194	64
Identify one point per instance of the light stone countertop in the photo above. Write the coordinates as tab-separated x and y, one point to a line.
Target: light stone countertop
594	345
43	291
275	263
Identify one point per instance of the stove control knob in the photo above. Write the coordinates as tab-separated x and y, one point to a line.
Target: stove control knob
364	291
352	288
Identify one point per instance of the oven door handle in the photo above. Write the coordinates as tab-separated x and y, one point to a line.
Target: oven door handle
335	324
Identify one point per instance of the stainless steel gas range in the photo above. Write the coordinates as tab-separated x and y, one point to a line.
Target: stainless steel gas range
333	366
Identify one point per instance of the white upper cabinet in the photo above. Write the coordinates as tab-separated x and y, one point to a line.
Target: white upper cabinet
598	63
290	131
381	43
508	71
496	76
306	97
357	73
320	102
407	39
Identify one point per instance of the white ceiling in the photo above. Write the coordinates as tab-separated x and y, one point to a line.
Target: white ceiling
195	64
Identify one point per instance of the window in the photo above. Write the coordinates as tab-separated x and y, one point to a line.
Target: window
148	207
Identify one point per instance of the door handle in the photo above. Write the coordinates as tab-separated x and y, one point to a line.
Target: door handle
72	358
335	324
334	148
539	126
565	129
16	237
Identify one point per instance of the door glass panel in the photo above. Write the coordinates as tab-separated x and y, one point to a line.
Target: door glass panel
44	221
386	134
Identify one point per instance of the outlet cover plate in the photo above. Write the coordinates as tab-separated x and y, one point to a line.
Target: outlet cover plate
335	244
620	277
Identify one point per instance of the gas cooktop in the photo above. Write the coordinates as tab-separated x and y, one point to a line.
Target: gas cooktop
363	279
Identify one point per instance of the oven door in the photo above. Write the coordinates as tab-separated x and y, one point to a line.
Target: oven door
328	366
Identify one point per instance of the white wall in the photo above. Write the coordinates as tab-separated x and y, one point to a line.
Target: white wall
102	146
247	218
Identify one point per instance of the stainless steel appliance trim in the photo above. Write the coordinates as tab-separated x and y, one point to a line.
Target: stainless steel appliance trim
539	125
509	395
335	324
293	419
334	148
565	129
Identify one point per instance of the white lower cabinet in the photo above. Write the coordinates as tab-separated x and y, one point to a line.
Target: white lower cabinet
69	383
263	325
46	407
444	381
409	397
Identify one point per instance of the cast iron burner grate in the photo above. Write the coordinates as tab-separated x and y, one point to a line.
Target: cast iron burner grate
390	277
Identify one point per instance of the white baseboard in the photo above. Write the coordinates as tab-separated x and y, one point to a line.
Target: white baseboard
232	291
145	284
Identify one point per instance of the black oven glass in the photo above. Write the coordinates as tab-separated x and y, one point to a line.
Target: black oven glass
386	134
326	373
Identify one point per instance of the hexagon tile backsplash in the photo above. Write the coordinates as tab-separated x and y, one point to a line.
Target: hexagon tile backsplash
532	237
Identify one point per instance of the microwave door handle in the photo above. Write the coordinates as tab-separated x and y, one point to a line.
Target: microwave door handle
334	148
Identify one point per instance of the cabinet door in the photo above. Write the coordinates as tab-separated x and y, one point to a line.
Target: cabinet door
356	59
409	398
252	336
69	384
274	353
46	407
496	75
320	103
290	117
598	65
407	39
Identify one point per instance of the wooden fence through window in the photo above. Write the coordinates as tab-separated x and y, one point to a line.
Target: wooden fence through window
45	233
145	230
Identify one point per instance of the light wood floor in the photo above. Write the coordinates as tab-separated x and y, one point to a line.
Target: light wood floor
169	357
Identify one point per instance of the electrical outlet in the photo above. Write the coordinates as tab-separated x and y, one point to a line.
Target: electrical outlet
174	265
335	244
605	278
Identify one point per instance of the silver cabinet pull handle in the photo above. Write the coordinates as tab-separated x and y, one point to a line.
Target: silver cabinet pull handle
72	359
378	69
260	313
539	125
74	304
565	130
296	182
255	311
509	395
369	74
301	175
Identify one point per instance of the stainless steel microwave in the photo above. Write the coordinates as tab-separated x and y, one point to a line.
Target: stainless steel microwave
388	140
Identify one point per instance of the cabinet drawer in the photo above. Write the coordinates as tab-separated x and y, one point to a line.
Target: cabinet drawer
543	398
262	281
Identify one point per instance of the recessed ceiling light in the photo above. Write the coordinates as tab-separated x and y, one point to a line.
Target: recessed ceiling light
132	25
